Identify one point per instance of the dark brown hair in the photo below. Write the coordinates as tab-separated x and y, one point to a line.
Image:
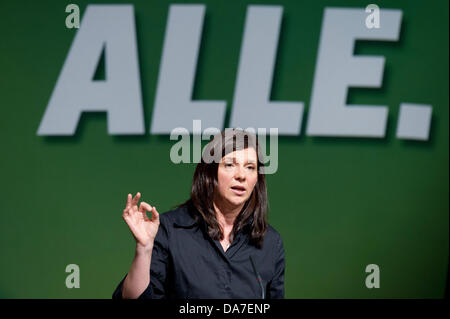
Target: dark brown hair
254	211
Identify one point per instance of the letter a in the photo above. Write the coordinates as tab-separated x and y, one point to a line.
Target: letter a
108	28
73	19
373	280
73	280
373	19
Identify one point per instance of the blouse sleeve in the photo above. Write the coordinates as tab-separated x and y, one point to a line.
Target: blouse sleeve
276	285
158	268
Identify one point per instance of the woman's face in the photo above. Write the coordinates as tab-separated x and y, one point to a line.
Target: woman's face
237	175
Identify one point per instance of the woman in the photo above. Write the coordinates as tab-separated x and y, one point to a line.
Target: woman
217	244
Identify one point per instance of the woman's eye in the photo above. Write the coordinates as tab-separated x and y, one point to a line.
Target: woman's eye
251	167
228	164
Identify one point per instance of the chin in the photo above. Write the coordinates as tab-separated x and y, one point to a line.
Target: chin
237	201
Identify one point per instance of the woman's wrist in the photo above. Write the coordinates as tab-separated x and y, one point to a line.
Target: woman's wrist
144	250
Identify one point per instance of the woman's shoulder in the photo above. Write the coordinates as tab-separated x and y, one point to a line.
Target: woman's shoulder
273	235
180	216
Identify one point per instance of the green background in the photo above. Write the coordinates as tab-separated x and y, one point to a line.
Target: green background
339	203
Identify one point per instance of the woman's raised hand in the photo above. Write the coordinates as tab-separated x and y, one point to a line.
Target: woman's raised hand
144	229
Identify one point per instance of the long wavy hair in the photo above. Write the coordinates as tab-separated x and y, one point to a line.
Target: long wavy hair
204	184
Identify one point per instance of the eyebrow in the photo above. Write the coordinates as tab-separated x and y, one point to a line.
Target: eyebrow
233	159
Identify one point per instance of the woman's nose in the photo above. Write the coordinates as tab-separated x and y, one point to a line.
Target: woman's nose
239	173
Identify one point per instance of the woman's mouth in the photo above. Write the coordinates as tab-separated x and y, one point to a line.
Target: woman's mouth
238	190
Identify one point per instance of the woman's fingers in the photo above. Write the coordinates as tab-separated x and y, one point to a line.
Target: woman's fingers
155	214
136	199
126	211
128	205
132	203
143	208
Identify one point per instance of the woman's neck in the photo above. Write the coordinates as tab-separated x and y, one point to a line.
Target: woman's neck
226	215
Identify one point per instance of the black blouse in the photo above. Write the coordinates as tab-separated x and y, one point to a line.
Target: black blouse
188	263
